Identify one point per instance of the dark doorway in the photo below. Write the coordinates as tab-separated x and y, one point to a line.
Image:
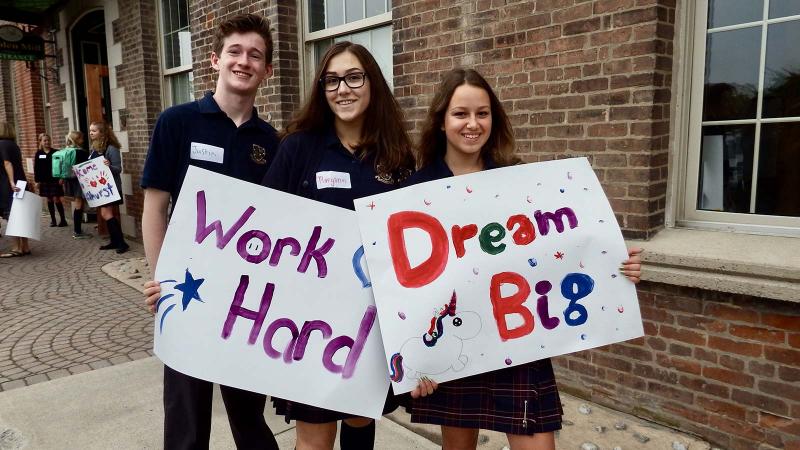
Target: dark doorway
90	56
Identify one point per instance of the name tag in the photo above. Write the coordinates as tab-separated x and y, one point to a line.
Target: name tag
42	156
205	152
335	180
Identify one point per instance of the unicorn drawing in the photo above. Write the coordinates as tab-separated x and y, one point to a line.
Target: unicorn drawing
439	349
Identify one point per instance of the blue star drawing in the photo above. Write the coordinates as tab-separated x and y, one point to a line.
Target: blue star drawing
189	287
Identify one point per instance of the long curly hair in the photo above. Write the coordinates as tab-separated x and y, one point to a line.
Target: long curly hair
383	133
107	137
433	142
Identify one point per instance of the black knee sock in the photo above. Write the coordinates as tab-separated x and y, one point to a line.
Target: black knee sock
60	208
115	232
357	438
77	218
52	209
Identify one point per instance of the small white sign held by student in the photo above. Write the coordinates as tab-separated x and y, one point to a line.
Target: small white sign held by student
498	268
24	219
265	291
97	182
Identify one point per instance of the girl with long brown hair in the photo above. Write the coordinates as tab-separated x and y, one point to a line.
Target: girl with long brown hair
104	143
48	186
350	125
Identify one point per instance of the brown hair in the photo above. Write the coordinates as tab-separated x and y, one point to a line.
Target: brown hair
74	139
107	137
433	143
382	133
7	131
243	23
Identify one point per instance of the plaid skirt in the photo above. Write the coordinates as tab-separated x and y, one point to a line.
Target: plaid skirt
50	189
306	413
517	400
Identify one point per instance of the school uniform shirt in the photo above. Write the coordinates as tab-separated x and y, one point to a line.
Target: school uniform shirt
200	134
43	166
316	165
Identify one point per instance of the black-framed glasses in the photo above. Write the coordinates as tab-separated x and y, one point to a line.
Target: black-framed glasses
353	80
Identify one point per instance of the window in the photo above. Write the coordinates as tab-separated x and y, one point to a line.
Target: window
365	22
744	140
176	49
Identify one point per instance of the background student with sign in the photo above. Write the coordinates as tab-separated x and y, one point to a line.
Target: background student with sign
347	142
48	187
220	132
104	143
467	131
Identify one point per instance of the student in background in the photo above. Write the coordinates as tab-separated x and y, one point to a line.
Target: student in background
104	143
12	171
72	188
351	125
467	131
48	186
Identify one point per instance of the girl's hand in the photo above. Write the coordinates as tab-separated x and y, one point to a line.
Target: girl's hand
106	162
425	387
632	267
152	292
15	188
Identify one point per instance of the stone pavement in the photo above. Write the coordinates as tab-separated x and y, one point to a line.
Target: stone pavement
60	315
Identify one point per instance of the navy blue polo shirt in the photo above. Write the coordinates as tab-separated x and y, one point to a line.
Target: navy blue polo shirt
200	134
315	166
439	169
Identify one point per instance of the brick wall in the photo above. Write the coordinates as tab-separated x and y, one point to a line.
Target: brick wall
139	74
723	366
6	90
578	78
279	96
57	94
29	107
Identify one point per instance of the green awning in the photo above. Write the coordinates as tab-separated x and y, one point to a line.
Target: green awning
32	12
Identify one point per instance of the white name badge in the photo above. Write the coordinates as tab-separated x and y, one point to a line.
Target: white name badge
331	179
205	152
42	156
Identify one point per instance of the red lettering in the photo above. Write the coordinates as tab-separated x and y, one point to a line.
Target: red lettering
525	234
503	306
432	267
462	234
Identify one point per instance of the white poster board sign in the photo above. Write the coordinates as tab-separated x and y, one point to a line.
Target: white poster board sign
97	182
498	268
261	291
24	219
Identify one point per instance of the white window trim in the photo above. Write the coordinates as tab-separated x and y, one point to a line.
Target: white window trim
166	88
308	38
688	84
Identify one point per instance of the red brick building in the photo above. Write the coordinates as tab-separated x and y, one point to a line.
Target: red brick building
688	111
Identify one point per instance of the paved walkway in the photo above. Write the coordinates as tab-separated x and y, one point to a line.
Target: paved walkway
61	315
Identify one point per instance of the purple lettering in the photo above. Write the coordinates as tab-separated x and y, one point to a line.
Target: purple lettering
279	245
542	288
355	346
202	231
242	247
308	327
237	310
271	329
543	220
317	253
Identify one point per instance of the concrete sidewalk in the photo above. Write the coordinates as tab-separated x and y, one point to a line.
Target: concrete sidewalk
120	407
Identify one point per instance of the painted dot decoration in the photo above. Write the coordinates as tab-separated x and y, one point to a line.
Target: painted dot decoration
583	337
604	252
613	275
561	190
401	315
508	361
532	262
475	270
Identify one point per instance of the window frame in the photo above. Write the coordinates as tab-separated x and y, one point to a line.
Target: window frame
308	38
166	74
688	177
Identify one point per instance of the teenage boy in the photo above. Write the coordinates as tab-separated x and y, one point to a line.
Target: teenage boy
220	132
